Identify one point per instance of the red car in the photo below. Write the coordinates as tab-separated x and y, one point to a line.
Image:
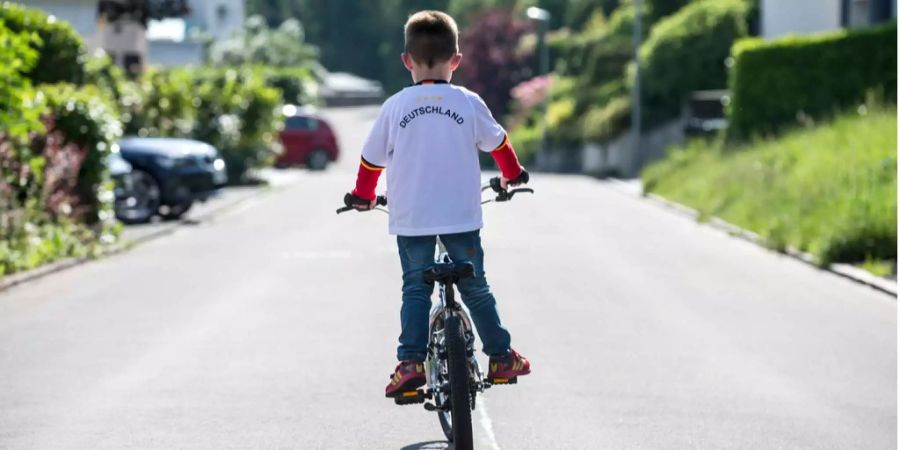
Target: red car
307	140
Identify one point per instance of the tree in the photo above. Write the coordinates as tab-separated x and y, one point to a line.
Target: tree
256	43
657	9
493	61
142	10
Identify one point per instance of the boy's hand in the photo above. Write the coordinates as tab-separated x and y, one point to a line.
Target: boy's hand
505	183
358	202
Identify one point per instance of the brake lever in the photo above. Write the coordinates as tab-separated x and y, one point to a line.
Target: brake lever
504	196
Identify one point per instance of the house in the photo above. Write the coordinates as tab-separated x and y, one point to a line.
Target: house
781	17
169	42
180	42
82	14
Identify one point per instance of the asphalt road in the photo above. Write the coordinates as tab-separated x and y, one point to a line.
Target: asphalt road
273	325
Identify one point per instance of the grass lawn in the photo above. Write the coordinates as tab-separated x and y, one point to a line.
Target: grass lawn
830	190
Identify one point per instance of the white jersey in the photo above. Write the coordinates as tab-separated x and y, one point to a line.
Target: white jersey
427	136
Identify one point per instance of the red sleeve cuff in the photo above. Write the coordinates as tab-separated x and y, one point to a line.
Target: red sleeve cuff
506	159
367	179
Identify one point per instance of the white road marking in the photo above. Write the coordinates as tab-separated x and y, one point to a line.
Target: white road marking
486	424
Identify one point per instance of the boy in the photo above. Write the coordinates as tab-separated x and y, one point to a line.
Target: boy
426	136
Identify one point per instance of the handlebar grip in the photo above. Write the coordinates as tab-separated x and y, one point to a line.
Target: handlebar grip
381	200
344	209
495	185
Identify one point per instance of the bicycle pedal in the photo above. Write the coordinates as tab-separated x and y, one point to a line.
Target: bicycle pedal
410	397
512	380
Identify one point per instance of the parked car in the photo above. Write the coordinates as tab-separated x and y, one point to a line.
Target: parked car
307	140
167	177
705	112
129	205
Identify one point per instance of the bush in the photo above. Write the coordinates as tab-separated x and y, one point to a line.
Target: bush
298	85
159	104
82	117
17	57
238	114
526	139
657	9
596	59
101	72
55	194
776	83
687	52
830	190
605	123
61	50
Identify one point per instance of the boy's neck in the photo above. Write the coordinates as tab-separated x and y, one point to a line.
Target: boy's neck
434	73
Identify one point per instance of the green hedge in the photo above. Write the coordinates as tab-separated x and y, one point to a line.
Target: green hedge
687	52
595	61
55	193
17	57
61	50
776	84
84	118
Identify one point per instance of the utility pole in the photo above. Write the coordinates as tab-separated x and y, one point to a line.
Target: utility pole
542	17
636	92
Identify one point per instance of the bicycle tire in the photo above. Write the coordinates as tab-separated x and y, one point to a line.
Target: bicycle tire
460	397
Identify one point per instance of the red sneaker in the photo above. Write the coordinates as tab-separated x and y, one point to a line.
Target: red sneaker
508	367
408	376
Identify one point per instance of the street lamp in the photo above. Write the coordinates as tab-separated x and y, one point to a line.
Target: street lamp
542	17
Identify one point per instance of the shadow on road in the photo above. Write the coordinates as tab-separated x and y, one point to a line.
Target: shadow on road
429	445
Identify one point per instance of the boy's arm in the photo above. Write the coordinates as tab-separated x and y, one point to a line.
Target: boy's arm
491	137
374	157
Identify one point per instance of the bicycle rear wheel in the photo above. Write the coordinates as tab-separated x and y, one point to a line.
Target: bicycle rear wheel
460	395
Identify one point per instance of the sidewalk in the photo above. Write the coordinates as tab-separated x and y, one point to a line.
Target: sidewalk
635	187
137	234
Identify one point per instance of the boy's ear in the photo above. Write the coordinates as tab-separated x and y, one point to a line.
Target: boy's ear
407	60
455	60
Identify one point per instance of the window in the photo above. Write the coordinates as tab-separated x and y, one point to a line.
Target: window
133	63
860	13
300	123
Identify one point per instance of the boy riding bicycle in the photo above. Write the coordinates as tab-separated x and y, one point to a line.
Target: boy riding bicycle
427	135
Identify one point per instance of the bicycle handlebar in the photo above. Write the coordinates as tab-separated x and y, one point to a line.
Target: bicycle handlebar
503	195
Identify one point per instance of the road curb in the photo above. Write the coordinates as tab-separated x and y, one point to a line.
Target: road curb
842	270
19	278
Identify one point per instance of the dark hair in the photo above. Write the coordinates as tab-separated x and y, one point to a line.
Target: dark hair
431	37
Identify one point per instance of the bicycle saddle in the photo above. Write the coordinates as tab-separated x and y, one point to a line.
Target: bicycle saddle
449	273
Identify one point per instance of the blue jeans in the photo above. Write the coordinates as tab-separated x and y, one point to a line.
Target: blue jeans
417	255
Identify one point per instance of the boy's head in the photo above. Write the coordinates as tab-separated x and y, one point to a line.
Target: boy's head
432	40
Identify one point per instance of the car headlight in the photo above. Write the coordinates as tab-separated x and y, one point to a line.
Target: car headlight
219	164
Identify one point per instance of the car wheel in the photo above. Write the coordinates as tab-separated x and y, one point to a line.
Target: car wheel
174	212
317	160
140	200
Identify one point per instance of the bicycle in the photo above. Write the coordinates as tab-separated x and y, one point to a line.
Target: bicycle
454	377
